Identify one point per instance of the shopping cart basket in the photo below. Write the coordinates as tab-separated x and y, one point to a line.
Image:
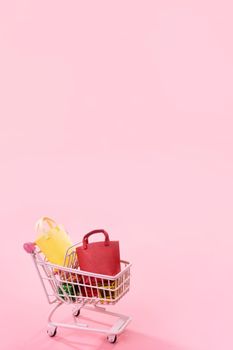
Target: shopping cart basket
69	285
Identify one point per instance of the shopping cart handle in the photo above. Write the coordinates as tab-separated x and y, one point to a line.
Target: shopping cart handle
29	247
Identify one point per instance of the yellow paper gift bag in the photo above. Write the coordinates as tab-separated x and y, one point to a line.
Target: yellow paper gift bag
52	240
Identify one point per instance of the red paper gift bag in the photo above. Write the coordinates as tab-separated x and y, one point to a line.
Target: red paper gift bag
99	257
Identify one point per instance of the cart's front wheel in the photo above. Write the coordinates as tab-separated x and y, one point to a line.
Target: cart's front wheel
112	338
52	331
76	313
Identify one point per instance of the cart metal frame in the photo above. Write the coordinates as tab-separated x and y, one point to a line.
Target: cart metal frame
83	290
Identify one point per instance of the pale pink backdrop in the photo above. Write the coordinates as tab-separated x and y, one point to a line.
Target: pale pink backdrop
118	115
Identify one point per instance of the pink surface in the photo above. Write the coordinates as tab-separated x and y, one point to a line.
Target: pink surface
119	115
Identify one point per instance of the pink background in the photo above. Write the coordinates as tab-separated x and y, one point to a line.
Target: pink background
118	115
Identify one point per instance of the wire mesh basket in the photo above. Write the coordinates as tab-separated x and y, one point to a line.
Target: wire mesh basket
71	285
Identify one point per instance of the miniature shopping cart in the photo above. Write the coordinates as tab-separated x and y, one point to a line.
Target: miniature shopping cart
69	285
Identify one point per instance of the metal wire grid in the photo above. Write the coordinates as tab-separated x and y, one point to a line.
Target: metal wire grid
69	284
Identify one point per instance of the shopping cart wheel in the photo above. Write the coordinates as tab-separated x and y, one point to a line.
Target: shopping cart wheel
112	338
52	331
76	313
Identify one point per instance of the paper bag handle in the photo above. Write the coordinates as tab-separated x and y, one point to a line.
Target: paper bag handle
40	224
85	238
